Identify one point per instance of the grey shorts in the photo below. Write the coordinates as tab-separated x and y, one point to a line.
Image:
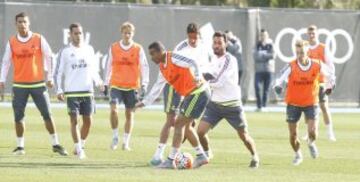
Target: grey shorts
128	97
235	116
171	99
194	105
40	97
322	96
80	105
293	113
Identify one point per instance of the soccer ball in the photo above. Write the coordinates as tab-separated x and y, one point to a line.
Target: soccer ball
184	160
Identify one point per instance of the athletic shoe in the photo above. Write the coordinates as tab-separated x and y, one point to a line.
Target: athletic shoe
114	143
126	148
19	151
209	154
81	154
59	149
156	162
297	160
167	164
200	160
254	164
313	151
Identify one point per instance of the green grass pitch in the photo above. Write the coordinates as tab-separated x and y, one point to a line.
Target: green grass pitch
339	161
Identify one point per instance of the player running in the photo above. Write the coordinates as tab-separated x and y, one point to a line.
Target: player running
127	72
225	102
31	57
302	96
184	76
318	51
76	69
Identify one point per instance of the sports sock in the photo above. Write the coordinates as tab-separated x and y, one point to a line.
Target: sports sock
54	139
83	143
20	141
77	147
126	139
115	133
199	151
298	153
173	153
160	151
255	157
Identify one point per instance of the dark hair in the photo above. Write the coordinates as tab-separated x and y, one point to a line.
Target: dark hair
312	28
192	28
220	34
263	30
74	25
227	31
158	46
21	15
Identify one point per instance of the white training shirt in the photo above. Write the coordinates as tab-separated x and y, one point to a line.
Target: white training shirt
159	85
225	88
199	53
78	66
324	69
143	64
45	49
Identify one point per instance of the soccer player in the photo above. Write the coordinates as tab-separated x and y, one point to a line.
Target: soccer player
76	69
225	102
184	75
317	51
31	57
302	96
127	72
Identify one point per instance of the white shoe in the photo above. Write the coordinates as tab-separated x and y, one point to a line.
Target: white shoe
126	147
297	160
114	143
209	154
81	154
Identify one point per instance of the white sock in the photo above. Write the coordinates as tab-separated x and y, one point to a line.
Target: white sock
83	143
126	139
311	142
54	139
115	133
199	150
174	152
20	141
255	157
160	151
329	127
78	147
298	153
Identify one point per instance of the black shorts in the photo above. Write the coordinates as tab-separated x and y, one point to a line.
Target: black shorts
322	95
40	97
80	105
129	97
235	116
293	113
171	99
194	105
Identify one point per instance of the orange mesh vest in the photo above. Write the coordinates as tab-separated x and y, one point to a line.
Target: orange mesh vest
303	86
319	54
181	79
126	70
27	60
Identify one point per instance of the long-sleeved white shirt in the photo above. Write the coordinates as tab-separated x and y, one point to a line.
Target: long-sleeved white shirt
76	68
199	53
45	49
324	69
143	64
159	85
224	86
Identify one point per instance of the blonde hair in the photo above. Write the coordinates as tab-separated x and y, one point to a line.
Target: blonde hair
127	25
312	28
302	44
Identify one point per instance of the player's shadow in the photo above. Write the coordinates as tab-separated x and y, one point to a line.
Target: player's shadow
70	165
